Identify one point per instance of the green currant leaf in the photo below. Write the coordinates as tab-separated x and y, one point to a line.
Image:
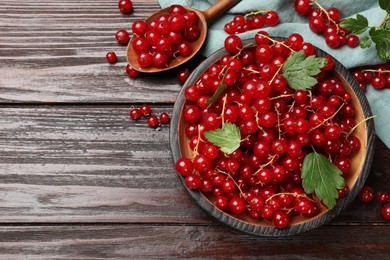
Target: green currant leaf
227	138
377	35
299	70
385	5
383	49
356	25
319	175
365	42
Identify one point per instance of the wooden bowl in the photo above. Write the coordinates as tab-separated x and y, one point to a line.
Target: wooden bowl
361	161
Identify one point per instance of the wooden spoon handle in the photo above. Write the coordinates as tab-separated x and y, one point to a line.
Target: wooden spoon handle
218	8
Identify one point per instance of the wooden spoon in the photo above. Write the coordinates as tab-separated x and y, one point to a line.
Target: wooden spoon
204	17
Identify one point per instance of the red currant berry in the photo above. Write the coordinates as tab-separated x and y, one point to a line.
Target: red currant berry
233	44
383	197
366	194
303	7
352	41
193	181
183	75
111	57
145	59
237	205
386	211
135	113
164	118
280	219
125	6
221	202
122	37
153	121
139	27
184	166
131	71
271	18
145	110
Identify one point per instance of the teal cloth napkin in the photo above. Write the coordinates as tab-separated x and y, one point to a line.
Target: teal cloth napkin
291	22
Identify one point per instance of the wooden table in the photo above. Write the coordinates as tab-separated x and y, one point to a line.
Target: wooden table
79	179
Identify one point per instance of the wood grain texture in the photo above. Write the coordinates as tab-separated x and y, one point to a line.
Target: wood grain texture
94	164
193	242
55	51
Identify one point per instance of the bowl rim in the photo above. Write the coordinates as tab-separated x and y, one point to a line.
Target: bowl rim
258	230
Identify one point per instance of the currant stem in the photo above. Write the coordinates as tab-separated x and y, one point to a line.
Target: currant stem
276	41
276	73
255	12
364	120
327	119
379	71
227	174
265	165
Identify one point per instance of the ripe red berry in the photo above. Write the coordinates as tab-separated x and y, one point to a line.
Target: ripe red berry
386	211
383	197
125	6
366	194
193	181
145	110
122	37
233	44
184	166
153	121
131	71
135	113
352	40
111	57
164	118
183	75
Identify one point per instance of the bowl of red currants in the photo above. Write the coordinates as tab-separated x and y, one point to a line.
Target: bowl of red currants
272	136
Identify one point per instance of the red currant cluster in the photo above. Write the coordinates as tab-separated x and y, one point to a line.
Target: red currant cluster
146	111
278	127
378	77
166	37
326	22
251	21
366	195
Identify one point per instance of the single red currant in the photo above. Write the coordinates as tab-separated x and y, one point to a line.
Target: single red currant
125	6
111	57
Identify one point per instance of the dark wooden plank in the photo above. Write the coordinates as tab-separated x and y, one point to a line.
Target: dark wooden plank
55	51
182	241
94	164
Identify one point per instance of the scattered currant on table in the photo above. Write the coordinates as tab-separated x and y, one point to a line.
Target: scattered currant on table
122	37
168	36
327	23
182	75
258	128
125	6
252	21
146	111
131	71
111	57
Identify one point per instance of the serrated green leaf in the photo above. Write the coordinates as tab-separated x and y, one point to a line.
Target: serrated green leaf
299	70
377	35
356	25
385	5
227	138
383	49
319	175
365	42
